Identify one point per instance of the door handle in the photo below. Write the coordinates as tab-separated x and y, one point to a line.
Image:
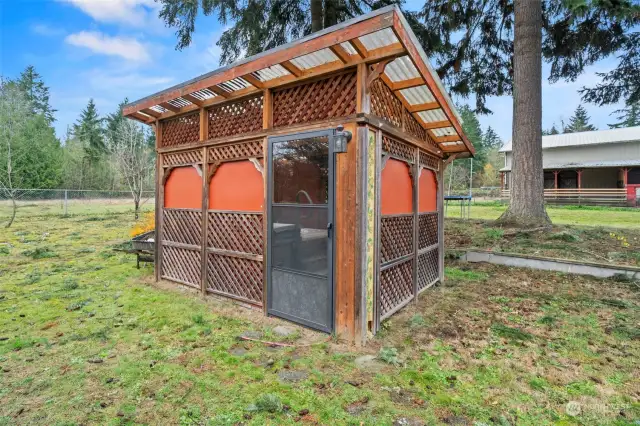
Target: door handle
329	229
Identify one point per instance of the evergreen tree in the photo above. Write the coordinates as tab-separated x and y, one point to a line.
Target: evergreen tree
627	117
36	93
491	140
88	129
113	120
579	122
552	131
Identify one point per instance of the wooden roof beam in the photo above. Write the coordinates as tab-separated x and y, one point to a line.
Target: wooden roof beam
249	78
360	49
436	124
192	99
167	105
289	66
151	112
406	84
450	138
341	53
424	107
142	118
212	101
219	91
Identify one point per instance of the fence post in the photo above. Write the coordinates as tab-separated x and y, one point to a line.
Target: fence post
65	202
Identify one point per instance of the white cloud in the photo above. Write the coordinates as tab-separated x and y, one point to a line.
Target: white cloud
130	12
129	82
127	48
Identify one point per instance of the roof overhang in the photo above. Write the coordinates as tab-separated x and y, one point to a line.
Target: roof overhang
380	36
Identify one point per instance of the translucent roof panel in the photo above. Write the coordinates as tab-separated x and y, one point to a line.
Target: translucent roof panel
432	115
349	48
271	73
314	59
401	69
445	131
417	95
379	39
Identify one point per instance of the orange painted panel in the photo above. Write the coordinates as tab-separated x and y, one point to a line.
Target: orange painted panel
428	192
236	185
183	189
396	191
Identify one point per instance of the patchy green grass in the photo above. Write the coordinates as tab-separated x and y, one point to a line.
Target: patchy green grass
86	338
601	244
615	217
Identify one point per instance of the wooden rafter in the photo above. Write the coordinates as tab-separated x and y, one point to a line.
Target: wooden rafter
449	138
151	112
249	78
341	53
167	105
437	124
360	49
192	99
406	84
289	66
424	107
219	91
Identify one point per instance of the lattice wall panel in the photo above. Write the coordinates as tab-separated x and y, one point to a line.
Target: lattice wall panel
180	130
182	226
412	126
427	230
234	118
182	265
385	104
429	161
396	286
240	232
180	158
237	150
396	237
330	97
427	268
398	149
235	276
433	143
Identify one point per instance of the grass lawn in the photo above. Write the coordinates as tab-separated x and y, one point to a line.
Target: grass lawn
85	338
604	245
616	217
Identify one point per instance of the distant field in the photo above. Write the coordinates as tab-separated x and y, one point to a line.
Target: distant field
616	217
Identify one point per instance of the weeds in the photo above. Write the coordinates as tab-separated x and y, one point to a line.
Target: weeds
39	253
69	284
268	403
510	333
389	355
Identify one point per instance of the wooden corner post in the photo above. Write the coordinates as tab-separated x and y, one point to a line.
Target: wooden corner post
159	204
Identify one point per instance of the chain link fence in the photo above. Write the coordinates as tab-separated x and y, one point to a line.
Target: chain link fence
69	202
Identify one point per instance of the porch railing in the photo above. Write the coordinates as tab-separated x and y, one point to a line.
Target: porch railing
582	195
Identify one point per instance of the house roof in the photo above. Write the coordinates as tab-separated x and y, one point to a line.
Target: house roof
380	37
587	165
627	134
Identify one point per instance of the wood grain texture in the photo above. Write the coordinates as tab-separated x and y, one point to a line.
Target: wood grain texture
345	241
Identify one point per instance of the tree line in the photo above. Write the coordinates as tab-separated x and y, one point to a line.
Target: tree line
580	120
96	153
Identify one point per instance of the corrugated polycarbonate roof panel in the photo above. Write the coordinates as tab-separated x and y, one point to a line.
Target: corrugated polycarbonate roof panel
314	59
432	115
349	48
179	102
159	109
401	69
378	39
204	94
235	84
271	73
445	131
418	95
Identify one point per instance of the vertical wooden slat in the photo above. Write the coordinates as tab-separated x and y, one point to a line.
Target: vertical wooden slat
159	204
205	216
267	109
363	94
416	226
204	125
440	196
345	241
360	292
376	304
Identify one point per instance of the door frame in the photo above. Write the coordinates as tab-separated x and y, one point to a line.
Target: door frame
329	133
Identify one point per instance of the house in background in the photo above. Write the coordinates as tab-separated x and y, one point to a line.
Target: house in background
600	167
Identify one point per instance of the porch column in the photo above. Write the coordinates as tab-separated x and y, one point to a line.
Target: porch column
625	173
579	178
501	182
555	179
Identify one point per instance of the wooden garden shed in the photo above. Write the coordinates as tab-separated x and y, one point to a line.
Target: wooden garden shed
307	180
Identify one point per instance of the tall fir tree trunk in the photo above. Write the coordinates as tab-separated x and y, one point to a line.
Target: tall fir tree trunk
330	12
316	15
526	208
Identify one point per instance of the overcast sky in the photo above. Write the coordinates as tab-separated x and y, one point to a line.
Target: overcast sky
112	49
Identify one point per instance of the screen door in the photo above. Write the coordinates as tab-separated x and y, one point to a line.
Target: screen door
300	225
